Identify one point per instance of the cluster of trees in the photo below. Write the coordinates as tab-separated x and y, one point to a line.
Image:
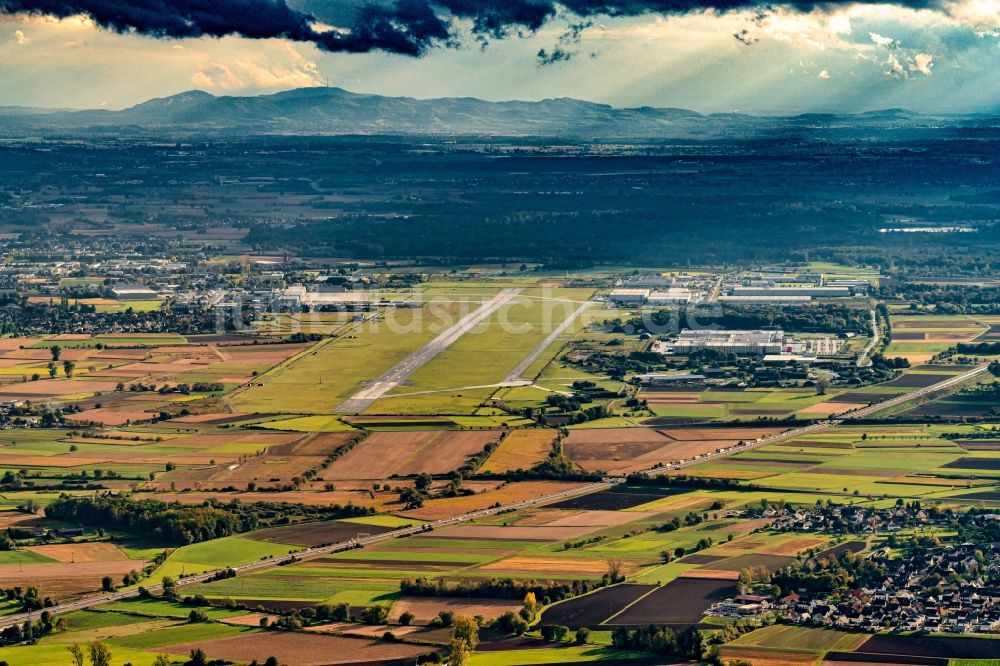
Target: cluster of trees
31	597
943	298
824	575
31	631
178	524
197	387
572	407
496	588
880	361
682	481
978	349
686	644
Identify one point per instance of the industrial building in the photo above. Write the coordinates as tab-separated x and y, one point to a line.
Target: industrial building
629	296
672	296
645	281
816	292
749	343
765	300
657	379
133	292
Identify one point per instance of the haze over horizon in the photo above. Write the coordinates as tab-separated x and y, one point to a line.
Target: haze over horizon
927	57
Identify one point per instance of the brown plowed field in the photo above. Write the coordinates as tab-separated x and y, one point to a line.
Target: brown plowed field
681	601
591	610
733	434
64	580
513	532
764	657
505	493
384	454
426	609
300	649
315	534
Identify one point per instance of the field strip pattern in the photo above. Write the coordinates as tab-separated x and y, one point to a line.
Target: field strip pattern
320	551
515	375
402	370
306	554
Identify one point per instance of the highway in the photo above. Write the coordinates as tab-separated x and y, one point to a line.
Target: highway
321	551
400	372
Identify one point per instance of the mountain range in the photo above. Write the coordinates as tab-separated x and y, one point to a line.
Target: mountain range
334	111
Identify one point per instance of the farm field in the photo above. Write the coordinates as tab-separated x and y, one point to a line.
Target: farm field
520	449
624	450
254	446
919	337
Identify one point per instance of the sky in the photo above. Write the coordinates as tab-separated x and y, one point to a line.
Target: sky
927	56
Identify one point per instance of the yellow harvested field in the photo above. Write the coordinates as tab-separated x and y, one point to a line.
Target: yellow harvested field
597	518
80	552
792	547
559	565
914	359
830	408
520	449
711	574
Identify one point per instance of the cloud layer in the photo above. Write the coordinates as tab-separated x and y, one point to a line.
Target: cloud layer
409	27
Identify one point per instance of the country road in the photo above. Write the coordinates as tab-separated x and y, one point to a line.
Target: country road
310	553
864	360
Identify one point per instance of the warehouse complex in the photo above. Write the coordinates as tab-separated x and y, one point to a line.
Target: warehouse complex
748	343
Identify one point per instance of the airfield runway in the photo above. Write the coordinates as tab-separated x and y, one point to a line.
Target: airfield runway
400	372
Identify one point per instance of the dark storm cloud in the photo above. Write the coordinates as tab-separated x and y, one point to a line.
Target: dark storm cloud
405	26
408	27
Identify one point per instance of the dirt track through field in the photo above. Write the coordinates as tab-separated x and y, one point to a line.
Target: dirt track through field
402	370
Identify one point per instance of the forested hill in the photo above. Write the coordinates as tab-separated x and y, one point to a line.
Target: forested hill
338	111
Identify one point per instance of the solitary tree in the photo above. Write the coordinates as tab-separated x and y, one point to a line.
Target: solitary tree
458	653
466	630
615	568
76	653
100	653
56	351
68	368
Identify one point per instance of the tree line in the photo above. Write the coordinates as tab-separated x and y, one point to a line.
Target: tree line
178	524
